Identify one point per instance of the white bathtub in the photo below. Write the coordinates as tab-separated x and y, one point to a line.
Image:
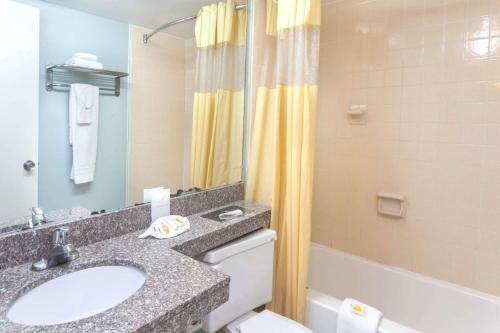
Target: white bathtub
410	302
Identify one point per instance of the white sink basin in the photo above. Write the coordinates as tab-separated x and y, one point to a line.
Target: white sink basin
76	295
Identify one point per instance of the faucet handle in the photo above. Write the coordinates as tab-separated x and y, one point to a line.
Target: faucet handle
37	217
59	236
37	210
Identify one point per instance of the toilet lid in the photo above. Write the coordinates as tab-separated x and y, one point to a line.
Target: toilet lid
270	322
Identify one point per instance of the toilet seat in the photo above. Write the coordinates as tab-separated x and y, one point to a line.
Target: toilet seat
270	322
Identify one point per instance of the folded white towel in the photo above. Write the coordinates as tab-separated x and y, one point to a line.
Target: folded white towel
356	317
83	125
84	63
85	56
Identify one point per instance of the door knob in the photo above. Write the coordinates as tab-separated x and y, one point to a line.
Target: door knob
28	165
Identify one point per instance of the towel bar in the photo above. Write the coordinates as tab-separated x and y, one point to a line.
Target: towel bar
62	76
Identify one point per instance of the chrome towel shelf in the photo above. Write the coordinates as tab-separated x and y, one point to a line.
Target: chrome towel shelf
62	76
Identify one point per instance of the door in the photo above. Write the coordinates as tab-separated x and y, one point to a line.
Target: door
19	72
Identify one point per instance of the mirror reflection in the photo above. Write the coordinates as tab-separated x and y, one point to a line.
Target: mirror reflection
100	107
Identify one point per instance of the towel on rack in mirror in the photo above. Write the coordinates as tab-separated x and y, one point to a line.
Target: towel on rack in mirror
87	100
83	125
85	56
75	61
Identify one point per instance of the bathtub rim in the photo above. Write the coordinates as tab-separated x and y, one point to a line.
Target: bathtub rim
410	274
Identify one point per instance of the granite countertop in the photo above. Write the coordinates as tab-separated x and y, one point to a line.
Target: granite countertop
57	215
178	289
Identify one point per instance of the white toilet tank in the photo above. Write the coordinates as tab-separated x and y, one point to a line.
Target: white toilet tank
249	262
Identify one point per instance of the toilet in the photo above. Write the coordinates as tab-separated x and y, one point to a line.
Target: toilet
249	262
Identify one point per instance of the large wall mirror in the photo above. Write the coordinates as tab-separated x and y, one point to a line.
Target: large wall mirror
177	121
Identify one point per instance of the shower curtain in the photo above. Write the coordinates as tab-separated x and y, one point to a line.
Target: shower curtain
217	132
282	143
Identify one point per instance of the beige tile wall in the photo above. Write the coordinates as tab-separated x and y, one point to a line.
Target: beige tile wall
156	113
429	72
190	66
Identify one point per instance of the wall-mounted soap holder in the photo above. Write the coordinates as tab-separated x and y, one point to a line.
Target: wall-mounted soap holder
391	204
357	114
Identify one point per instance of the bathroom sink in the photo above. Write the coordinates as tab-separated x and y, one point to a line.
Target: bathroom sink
76	295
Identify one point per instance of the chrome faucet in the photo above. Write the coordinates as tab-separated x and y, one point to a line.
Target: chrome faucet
37	217
59	253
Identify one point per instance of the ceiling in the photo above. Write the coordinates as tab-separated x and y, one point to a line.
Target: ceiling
145	13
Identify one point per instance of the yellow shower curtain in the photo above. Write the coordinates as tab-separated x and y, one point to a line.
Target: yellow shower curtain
282	144
217	131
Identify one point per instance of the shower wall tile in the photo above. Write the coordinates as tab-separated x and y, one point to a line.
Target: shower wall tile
190	68
156	113
429	72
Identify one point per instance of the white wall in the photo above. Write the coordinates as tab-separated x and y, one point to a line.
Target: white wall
19	59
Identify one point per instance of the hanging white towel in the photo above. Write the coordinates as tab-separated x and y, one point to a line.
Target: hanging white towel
87	100
83	125
356	317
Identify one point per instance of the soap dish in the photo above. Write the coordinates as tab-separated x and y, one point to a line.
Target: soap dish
214	216
391	204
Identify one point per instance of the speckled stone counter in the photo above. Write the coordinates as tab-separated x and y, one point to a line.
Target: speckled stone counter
65	214
19	247
178	290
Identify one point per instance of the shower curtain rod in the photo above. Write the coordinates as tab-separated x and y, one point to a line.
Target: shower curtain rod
146	37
